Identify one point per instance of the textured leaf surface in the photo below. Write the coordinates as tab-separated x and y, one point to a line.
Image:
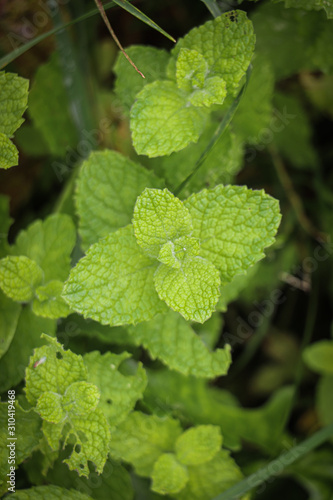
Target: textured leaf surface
171	339
49	243
192	290
50	492
20	277
198	444
27	337
159	217
9	315
107	188
169	476
161	120
151	61
119	393
227	44
13	102
113	284
92	437
141	439
234	225
8	152
51	116
211	478
48	302
319	357
52	369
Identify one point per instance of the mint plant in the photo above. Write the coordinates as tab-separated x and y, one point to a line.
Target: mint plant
147	348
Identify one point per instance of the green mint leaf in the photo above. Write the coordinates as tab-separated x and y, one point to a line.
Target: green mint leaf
159	217
207	480
19	276
49	243
119	393
5	223
8	152
80	398
151	61
49	407
141	439
234	225
27	337
104	200
56	384
173	253
9	315
114	284
48	302
13	102
192	290
191	70
52	434
171	339
226	43
49	492
52	117
52	369
319	356
162	121
92	439
214	92
169	476
198	444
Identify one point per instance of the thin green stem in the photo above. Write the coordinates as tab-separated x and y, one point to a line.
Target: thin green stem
212	7
217	134
277	466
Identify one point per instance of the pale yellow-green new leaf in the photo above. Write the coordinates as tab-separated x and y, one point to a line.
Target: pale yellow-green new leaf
159	217
49	303
19	277
198	444
169	476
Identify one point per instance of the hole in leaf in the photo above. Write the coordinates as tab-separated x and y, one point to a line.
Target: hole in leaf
59	355
109	401
81	466
77	448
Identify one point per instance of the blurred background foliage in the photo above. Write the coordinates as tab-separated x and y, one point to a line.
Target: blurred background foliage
280	139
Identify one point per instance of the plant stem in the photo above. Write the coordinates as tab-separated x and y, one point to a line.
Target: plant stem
279	464
217	134
114	36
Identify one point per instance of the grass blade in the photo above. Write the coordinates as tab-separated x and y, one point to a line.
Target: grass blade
212	7
280	463
140	15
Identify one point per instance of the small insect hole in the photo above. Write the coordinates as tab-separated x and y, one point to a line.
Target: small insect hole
77	448
81	466
59	355
109	401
